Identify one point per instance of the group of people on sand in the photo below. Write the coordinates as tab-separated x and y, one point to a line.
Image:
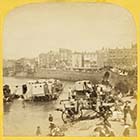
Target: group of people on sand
54	130
105	128
123	112
102	129
120	110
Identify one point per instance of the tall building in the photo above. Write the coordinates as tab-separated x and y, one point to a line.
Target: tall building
125	58
65	56
48	60
102	57
77	60
43	61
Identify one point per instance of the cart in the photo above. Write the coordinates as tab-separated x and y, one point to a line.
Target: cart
71	110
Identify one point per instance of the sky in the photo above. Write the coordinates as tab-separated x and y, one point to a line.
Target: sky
37	28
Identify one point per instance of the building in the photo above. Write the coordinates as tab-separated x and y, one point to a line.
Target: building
43	61
66	56
102	57
77	60
90	60
134	55
19	67
124	58
49	60
9	67
25	65
8	63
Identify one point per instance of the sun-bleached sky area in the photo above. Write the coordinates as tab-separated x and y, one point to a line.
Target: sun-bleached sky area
38	28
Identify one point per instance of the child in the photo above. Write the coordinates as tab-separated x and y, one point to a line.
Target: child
126	131
38	131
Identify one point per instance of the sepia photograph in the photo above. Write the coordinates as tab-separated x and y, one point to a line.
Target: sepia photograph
70	69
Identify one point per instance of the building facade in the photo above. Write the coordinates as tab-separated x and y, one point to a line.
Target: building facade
49	60
90	60
124	58
102	58
65	56
77	60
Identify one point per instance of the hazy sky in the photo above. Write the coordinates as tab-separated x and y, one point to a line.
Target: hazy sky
37	28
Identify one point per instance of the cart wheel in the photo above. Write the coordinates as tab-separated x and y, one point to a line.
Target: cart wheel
66	117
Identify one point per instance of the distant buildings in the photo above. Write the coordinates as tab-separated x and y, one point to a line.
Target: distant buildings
56	60
102	58
43	61
124	58
77	60
9	67
90	60
25	65
48	60
8	63
65	56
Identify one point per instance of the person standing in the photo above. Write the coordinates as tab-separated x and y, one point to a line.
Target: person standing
38	131
134	116
126	110
50	118
52	125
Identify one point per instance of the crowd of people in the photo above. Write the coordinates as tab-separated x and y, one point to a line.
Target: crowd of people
109	105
